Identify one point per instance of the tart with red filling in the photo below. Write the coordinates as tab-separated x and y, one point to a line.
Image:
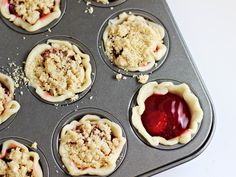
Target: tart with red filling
8	106
91	146
58	70
17	161
31	15
133	43
166	113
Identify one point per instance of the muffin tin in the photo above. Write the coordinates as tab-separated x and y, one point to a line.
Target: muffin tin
107	97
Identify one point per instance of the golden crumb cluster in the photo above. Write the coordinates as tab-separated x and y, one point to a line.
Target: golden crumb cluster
32	10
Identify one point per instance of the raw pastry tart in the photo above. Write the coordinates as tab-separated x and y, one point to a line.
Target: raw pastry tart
8	106
166	113
58	70
133	43
91	146
17	161
31	15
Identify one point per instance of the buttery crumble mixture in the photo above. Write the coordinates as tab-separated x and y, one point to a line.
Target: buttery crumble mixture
89	144
16	163
133	43
31	10
59	69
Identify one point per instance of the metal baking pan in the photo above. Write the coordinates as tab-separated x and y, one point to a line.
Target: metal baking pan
41	122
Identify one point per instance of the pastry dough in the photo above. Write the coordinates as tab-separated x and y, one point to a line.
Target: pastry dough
163	88
133	43
17	161
58	70
31	15
91	146
8	106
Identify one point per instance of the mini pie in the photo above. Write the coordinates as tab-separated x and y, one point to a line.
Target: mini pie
166	113
31	15
58	70
91	146
8	106
133	43
17	161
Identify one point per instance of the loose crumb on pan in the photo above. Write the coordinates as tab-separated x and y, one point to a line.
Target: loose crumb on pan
91	97
76	97
34	145
119	77
143	78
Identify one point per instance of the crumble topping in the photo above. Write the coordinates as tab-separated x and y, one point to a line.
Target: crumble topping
91	144
60	69
31	10
17	161
134	43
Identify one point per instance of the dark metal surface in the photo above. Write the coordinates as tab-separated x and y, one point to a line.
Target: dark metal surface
37	121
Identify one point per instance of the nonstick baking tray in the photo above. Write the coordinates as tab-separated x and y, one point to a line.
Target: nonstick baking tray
41	122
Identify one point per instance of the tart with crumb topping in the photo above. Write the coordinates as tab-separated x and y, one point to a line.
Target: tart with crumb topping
134	43
91	146
8	106
31	15
58	70
17	161
166	114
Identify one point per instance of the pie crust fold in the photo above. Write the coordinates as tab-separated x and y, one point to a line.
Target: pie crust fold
8	106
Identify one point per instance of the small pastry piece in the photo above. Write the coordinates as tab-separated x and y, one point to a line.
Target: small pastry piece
17	161
31	15
58	70
103	1
91	146
8	106
133	43
166	113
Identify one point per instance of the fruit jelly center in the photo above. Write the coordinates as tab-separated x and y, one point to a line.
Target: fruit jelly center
166	115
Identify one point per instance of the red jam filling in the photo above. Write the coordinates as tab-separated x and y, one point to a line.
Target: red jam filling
167	115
